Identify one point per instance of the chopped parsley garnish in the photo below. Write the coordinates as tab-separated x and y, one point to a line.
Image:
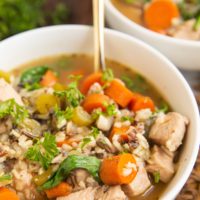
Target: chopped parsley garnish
107	75
127	118
63	114
5	177
72	94
85	141
156	176
43	151
163	108
10	107
111	110
95	132
96	113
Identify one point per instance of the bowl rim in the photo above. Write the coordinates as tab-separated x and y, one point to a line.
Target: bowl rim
191	161
133	25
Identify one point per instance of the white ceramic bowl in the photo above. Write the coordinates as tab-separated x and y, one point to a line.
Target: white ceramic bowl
125	49
183	53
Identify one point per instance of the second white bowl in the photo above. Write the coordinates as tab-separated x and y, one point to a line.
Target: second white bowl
183	53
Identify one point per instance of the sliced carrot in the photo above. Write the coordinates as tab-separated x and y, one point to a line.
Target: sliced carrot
117	170
119	93
7	194
63	189
94	101
89	80
119	131
158	14
49	79
142	103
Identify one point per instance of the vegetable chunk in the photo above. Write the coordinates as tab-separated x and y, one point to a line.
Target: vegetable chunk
117	170
119	93
159	14
6	194
62	189
94	101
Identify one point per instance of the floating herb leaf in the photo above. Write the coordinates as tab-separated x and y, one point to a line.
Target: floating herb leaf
11	108
89	163
43	151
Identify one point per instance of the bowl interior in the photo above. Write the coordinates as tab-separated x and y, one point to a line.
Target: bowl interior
120	47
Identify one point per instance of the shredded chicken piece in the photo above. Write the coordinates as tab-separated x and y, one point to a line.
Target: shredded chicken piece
7	92
169	130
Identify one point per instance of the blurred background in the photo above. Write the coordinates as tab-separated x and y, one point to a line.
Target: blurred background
21	15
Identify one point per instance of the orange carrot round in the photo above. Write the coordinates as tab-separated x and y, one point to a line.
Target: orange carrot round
49	79
119	93
94	101
143	103
158	14
7	194
63	189
117	170
89	80
119	131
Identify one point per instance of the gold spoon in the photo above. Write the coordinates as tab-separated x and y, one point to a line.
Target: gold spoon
98	22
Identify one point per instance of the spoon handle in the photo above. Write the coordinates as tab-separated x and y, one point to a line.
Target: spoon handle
98	22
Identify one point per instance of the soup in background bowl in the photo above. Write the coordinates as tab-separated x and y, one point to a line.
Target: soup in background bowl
129	18
114	120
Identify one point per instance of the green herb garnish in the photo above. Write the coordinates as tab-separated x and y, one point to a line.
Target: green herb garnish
111	110
107	75
85	141
72	162
11	108
5	177
30	78
127	118
96	113
95	132
163	108
63	114
72	94
156	176
43	151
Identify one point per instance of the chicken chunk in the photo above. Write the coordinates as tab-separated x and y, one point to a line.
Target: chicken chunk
110	193
5	125
140	183
8	92
185	31
86	194
104	123
162	163
97	193
169	130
